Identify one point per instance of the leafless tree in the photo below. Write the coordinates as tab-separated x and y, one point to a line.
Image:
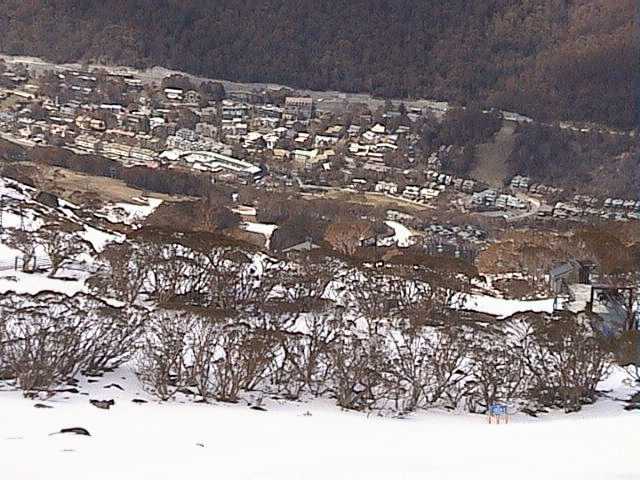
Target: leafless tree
60	245
305	365
24	242
499	371
161	360
125	271
567	361
48	338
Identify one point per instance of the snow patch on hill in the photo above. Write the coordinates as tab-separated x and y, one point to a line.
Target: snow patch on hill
402	235
265	229
501	307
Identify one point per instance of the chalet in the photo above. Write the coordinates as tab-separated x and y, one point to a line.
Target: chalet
376	165
216	162
399	216
298	108
269	111
566	210
411	191
429	193
484	198
520	183
378	129
234	127
115	149
142	154
386	187
359	184
302	137
354	130
87	142
545	211
192	97
113	108
174	94
468	185
325	140
281	153
97	124
306	156
510	202
206	129
305	246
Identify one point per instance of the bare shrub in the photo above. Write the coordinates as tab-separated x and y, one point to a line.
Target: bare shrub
49	338
499	372
567	361
161	362
627	353
24	242
357	363
44	346
306	365
60	245
116	334
243	361
125	269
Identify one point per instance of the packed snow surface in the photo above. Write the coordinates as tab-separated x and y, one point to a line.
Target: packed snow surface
99	238
34	283
265	229
502	307
129	213
402	234
299	441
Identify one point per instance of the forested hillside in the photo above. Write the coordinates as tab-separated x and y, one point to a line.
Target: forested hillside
553	59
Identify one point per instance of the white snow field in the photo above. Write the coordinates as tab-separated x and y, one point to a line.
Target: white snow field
265	229
300	441
402	235
502	307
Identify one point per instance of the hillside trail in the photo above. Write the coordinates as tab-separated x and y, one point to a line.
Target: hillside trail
491	166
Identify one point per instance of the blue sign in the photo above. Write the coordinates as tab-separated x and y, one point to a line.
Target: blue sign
497	409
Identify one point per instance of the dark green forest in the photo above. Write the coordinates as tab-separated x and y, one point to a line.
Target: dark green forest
552	59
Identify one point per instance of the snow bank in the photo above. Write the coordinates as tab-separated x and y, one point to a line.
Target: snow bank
501	307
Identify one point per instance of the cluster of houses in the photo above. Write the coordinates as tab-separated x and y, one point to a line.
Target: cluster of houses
439	183
490	199
524	184
620	210
581	205
238	135
113	114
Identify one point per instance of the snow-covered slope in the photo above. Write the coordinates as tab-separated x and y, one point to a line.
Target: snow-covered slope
298	441
20	210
